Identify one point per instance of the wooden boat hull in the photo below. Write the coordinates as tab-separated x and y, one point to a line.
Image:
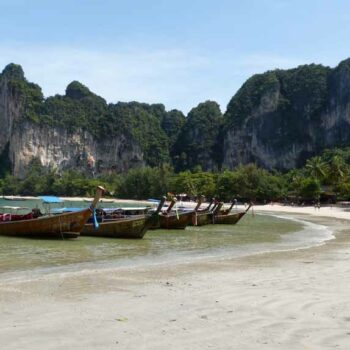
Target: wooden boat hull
228	219
173	221
201	219
66	225
133	228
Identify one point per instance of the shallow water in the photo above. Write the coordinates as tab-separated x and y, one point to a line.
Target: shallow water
252	235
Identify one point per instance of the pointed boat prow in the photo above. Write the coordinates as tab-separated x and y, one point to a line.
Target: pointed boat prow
210	204
172	203
233	202
199	203
218	208
249	206
98	195
160	205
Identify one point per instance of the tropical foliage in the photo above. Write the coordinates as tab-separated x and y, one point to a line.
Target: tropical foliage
288	97
150	126
198	141
304	91
325	175
183	155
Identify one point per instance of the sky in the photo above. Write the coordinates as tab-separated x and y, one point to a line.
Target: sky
177	52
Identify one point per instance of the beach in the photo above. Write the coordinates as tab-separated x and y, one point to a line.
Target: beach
175	175
296	299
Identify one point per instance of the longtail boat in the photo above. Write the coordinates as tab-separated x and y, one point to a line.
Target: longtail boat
66	225
227	217
175	221
133	226
170	219
216	214
201	217
224	211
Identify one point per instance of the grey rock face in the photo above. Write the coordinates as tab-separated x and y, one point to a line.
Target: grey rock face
303	112
56	147
277	119
11	107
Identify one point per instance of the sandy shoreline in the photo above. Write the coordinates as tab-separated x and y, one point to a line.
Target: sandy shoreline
289	300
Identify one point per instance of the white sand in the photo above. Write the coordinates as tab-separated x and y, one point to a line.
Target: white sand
325	211
294	300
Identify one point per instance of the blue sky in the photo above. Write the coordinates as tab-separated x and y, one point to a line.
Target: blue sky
177	52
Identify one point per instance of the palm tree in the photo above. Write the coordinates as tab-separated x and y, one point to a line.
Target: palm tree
296	184
317	168
338	170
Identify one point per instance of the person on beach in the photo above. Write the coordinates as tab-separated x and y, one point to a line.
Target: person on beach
317	205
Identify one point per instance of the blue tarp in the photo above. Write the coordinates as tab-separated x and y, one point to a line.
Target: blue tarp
65	210
51	199
153	200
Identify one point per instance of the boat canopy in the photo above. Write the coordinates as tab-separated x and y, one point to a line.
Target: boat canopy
65	210
107	210
51	199
153	200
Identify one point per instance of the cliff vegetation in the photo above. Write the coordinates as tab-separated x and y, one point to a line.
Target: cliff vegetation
276	120
325	178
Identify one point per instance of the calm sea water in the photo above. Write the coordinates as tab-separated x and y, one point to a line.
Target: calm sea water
252	235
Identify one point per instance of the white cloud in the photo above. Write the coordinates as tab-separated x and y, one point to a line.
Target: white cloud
162	76
178	78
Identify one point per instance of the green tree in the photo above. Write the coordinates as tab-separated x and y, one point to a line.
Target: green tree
74	183
343	190
310	188
317	168
227	188
143	183
10	185
337	170
198	142
172	123
184	183
293	180
251	183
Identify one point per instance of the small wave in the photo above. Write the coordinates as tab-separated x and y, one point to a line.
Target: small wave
311	235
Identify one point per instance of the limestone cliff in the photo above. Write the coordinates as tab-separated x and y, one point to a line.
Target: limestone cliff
24	137
61	149
198	141
11	105
280	118
277	119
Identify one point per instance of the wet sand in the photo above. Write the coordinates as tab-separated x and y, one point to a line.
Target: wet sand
287	300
